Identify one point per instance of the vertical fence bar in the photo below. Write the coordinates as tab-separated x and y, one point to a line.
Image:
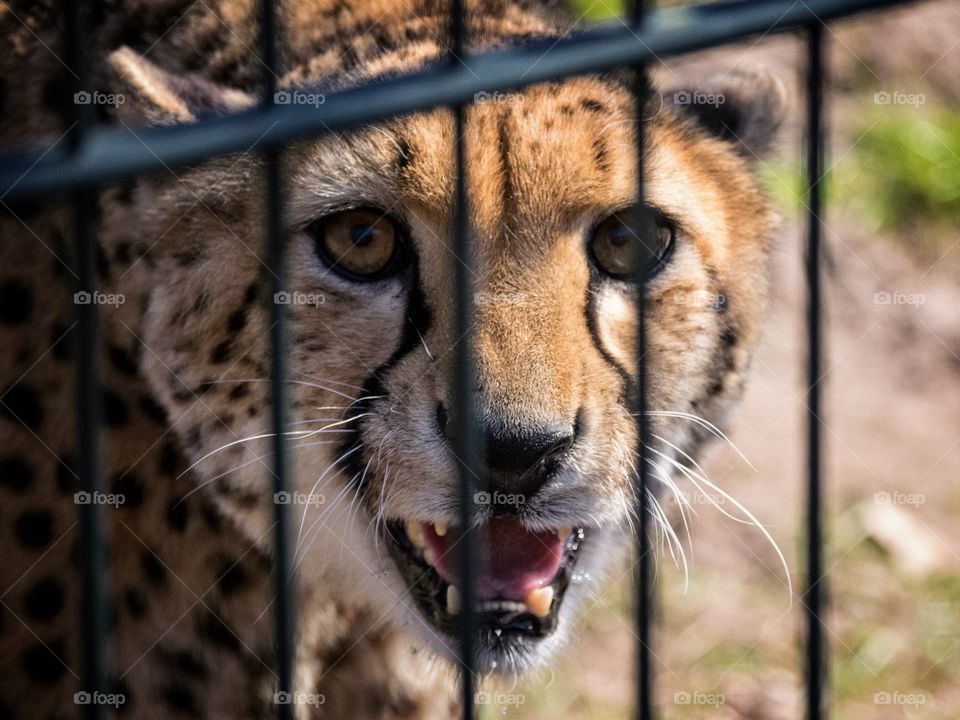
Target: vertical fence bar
643	575
93	553
815	590
285	583
466	445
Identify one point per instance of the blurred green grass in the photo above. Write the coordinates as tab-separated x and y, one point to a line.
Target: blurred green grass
900	176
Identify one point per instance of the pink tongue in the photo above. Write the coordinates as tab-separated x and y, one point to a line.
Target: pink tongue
512	560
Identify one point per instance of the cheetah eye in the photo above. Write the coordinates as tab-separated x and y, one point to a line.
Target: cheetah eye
360	244
623	254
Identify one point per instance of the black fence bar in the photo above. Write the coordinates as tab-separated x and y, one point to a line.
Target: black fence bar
815	590
115	153
466	436
643	575
93	549
284	580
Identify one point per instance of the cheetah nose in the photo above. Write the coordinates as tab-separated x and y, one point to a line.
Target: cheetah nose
519	462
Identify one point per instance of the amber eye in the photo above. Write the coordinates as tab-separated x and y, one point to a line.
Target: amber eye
362	244
625	253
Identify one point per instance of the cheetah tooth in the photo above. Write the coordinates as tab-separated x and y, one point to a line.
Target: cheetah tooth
440	528
415	533
564	532
538	601
429	556
453	600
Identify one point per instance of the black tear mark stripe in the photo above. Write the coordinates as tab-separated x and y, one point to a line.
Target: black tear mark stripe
418	320
593	327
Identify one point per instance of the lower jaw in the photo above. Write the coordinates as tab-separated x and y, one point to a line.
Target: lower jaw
501	625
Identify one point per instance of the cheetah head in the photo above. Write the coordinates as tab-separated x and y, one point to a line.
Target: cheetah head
551	177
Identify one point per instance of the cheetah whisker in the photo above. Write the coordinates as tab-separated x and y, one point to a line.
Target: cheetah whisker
717	432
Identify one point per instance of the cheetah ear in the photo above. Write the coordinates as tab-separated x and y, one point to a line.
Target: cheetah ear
744	108
151	95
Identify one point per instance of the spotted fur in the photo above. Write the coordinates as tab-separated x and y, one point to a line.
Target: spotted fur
185	356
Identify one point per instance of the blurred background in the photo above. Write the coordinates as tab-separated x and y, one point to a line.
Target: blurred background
727	644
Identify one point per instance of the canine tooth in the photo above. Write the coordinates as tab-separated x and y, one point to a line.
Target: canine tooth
415	533
430	556
440	528
453	600
539	601
564	532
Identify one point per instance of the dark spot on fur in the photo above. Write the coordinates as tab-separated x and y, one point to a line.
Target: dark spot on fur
130	486
251	293
180	698
212	519
221	353
232	578
34	528
210	628
15	474
178	513
115	410
189	256
240	390
135	601
21	404
125	195
16	301
237	321
593	106
122	360
404	155
253	411
729	337
122	253
42	663
184	661
201	303
152	411
167	464
600	154
44	600
152	567
566	109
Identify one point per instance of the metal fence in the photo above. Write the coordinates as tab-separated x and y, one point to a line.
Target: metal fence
94	156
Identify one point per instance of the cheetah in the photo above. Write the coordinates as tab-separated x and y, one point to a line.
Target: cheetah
183	296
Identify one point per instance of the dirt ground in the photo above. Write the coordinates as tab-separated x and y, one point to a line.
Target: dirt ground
727	644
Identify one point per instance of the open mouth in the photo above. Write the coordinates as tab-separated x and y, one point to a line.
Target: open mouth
520	580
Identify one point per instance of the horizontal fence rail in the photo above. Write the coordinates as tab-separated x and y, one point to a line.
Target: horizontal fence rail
113	154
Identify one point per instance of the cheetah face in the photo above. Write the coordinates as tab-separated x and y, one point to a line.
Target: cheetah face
369	217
